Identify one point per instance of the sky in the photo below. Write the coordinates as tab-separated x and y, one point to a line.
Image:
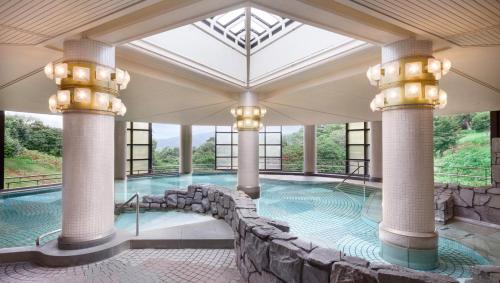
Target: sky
160	131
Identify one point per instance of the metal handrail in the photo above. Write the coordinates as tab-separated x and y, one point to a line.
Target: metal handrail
37	241
350	175
117	211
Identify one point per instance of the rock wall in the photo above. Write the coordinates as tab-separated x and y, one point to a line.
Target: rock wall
478	203
266	252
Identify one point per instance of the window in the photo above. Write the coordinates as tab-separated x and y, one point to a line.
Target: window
226	148
357	148
270	148
139	148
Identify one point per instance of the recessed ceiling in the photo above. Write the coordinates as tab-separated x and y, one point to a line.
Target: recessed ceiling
247	47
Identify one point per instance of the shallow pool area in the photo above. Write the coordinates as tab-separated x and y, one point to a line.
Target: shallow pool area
316	211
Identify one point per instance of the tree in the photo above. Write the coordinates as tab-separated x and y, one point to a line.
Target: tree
446	134
205	153
12	147
293	151
481	122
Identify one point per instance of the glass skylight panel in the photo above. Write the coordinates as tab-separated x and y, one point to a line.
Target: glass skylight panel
256	26
238	27
229	17
267	18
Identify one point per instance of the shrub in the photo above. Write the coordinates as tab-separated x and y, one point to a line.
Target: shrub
12	147
481	122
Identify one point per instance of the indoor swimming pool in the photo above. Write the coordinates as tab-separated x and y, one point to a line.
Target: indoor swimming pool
317	211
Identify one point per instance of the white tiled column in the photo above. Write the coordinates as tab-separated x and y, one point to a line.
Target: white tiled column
248	153
309	149
120	150
407	231
186	150
88	162
376	151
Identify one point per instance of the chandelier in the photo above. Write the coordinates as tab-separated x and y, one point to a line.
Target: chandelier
248	118
408	83
86	86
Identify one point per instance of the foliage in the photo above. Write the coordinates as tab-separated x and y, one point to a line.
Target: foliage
446	134
166	157
205	153
330	140
12	146
293	153
481	121
34	135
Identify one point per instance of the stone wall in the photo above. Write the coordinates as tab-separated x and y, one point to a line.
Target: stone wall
267	252
478	203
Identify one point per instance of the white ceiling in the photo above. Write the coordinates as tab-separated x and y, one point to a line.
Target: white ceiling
328	91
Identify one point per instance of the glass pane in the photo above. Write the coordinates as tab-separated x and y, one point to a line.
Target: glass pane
223	138
353	168
261	138
273	138
128	125
273	163
262	163
273	151
141	137
261	151
128	167
230	16
223	163
235	138
140	152
355	126
128	151
140	166
223	151
356	152
356	137
235	150
223	129
264	16
273	129
143	126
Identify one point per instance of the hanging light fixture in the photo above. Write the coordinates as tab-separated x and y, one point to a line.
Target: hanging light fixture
248	118
408	82
87	86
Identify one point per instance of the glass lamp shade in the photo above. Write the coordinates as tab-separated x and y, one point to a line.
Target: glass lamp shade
120	76
102	73
82	95
263	111
63	97
413	90
379	100
233	112
239	112
49	70
393	95
102	100
53	103
123	110
431	92
391	69
61	70
372	105
116	104
256	111
433	66
446	66
81	74
413	69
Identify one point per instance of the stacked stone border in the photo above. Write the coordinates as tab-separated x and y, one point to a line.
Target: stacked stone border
267	252
476	203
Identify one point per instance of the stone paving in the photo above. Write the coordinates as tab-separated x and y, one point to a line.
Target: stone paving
145	265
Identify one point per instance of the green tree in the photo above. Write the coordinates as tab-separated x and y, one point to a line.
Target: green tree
446	134
331	151
12	147
481	122
204	154
292	150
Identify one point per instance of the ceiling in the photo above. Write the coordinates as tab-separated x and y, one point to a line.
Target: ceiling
329	89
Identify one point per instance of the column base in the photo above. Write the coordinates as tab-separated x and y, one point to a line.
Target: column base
68	244
252	192
375	179
309	173
409	249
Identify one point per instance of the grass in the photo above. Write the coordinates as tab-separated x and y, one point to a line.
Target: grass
471	150
31	163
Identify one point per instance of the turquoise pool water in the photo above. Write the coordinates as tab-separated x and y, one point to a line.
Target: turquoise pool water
315	211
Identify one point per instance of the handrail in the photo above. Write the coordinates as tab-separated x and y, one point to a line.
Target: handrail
350	175
136	195
37	241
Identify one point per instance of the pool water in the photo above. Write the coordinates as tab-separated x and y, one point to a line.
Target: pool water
319	212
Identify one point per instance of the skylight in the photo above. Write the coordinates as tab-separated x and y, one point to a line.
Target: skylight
264	26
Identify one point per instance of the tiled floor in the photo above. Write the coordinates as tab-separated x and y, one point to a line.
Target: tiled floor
147	265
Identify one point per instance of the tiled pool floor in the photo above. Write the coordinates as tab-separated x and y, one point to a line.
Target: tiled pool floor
315	211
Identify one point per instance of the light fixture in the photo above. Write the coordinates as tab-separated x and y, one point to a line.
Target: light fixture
82	95
248	118
418	85
81	74
86	86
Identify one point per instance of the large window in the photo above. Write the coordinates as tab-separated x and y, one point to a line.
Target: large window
166	141
32	149
331	148
139	148
226	148
292	148
270	148
203	148
357	148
